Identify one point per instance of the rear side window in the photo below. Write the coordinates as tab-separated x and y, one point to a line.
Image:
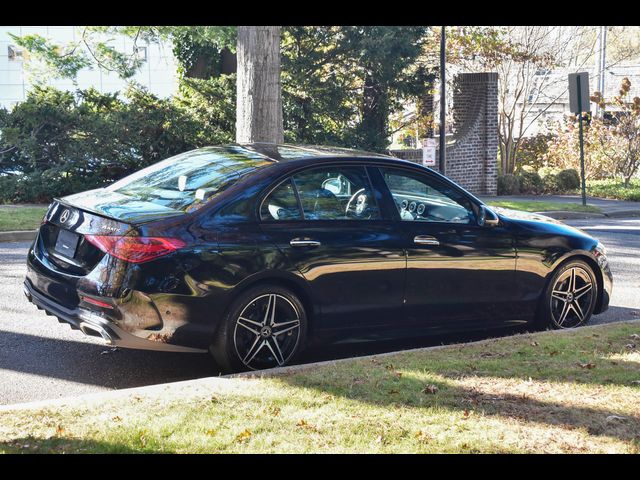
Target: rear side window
336	193
323	193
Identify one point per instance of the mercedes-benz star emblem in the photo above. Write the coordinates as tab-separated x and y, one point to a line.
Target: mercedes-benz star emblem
64	216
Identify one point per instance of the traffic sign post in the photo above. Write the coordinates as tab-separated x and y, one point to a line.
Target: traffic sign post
579	103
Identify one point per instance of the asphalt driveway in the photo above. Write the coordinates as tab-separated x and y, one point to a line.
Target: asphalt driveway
40	358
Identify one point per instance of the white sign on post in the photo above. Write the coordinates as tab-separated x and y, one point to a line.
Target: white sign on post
579	98
429	152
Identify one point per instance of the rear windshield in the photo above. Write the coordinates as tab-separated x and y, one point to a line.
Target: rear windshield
189	180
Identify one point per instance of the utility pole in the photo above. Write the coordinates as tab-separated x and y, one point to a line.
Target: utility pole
443	101
601	63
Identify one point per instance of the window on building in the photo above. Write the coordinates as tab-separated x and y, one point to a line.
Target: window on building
14	52
141	53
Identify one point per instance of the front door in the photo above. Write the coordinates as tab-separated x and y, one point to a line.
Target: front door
459	274
327	222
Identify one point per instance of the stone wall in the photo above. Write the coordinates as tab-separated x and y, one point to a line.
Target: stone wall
472	152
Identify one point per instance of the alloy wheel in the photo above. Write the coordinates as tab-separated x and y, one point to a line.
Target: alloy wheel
267	332
572	297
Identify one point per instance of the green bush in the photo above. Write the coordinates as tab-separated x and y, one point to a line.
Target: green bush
568	180
530	181
508	184
56	142
614	188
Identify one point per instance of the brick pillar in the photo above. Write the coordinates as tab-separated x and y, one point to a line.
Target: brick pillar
472	160
472	155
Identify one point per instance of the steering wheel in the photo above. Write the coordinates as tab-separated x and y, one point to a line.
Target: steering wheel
357	204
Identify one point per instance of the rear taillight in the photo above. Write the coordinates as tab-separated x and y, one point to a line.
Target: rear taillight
135	249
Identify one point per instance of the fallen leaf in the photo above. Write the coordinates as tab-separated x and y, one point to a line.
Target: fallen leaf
211	432
589	365
555	352
243	436
430	389
398	374
275	411
59	430
393	392
534	344
466	413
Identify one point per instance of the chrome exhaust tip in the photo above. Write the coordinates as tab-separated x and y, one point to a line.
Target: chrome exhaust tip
92	330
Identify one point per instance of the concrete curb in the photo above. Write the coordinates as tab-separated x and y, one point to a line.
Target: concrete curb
18	236
572	215
201	384
569	215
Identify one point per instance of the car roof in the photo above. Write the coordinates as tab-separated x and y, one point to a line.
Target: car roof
288	152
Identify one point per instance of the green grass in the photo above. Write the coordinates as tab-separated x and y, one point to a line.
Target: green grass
542	206
614	189
20	218
546	392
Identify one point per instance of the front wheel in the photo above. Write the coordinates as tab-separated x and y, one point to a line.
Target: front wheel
570	297
265	327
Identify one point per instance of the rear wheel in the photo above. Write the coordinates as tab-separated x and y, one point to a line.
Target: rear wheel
570	297
264	328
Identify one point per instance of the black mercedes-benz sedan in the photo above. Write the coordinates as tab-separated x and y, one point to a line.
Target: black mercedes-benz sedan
250	252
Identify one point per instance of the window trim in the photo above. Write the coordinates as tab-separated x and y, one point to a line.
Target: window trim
431	178
289	176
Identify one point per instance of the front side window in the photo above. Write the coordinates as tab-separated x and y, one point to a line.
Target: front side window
419	198
336	193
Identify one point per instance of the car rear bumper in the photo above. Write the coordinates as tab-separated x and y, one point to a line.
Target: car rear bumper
91	323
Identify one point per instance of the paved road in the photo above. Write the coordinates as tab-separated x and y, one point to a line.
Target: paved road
40	358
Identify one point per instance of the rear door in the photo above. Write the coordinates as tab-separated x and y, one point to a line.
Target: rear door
327	222
459	274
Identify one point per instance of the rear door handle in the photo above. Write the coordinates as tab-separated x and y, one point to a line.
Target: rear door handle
425	240
304	242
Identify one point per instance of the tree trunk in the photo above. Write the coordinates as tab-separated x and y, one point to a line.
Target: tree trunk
259	100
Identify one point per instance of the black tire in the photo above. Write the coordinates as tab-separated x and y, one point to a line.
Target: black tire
242	344
566	305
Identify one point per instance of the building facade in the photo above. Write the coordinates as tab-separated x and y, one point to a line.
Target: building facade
17	75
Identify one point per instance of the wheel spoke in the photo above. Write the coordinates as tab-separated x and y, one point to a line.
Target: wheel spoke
245	322
559	294
253	351
278	356
285	330
578	310
572	280
270	312
563	314
582	290
282	327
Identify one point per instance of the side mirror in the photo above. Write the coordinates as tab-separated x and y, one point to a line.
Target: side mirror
487	217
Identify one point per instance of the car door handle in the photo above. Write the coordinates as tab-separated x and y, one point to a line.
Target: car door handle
425	240
304	242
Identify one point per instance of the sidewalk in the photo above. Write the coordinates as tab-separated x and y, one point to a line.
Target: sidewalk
610	208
